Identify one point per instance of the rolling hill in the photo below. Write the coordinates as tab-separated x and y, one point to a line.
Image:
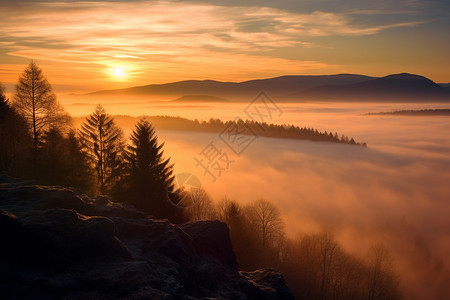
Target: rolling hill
445	86
404	87
280	87
341	87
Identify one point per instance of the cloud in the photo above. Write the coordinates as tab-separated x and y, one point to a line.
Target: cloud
159	35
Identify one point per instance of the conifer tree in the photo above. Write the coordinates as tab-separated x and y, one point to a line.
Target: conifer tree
15	140
150	176
63	162
103	142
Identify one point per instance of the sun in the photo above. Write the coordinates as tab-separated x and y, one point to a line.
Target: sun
118	72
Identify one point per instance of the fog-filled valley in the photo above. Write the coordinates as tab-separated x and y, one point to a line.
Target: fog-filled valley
394	192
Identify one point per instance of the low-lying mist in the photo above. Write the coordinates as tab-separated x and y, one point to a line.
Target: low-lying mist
395	191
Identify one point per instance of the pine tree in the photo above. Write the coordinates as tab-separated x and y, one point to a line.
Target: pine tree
15	139
79	174
103	142
150	176
63	161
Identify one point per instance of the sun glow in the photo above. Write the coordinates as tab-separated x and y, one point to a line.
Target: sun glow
118	72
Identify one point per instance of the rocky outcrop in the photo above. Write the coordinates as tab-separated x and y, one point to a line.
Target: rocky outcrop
57	243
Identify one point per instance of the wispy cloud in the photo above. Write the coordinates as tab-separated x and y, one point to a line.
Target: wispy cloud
156	35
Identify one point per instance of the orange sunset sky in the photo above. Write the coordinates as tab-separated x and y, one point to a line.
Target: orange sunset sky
85	46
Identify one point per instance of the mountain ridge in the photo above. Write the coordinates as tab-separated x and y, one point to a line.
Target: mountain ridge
403	86
202	86
350	87
445	86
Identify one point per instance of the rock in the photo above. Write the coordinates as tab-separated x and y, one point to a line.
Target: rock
271	281
212	239
56	238
58	243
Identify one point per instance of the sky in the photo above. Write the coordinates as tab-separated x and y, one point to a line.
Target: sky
86	46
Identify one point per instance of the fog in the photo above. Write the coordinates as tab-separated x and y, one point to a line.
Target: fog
395	191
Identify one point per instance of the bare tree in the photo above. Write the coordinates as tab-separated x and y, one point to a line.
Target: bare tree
36	102
225	207
329	250
347	281
245	243
302	264
265	219
199	205
318	268
382	279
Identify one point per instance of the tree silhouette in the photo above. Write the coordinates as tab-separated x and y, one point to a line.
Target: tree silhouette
36	102
3	101
14	139
103	142
328	253
266	221
245	243
149	177
199	205
63	161
382	280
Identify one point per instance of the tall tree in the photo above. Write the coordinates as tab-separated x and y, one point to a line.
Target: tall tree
246	245
328	254
150	176
199	205
266	221
63	161
103	142
3	100
382	279
35	101
14	139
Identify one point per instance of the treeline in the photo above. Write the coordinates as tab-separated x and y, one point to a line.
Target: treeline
258	128
315	266
411	112
278	131
37	141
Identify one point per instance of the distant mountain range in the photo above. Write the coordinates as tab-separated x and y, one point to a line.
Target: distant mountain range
421	112
445	86
342	87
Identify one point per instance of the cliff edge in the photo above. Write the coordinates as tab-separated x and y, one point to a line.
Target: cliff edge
58	243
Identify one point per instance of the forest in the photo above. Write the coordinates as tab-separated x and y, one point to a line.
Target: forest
39	142
261	129
411	112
